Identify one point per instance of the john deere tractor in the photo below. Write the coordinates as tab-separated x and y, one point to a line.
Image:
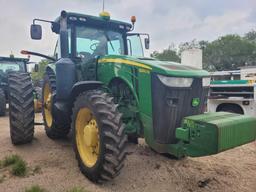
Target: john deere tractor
7	66
102	89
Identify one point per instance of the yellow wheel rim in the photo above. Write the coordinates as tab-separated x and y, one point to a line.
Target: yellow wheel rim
87	137
47	106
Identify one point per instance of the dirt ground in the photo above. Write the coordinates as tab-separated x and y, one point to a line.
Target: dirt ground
234	170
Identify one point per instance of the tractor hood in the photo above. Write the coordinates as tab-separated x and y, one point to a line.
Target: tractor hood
161	67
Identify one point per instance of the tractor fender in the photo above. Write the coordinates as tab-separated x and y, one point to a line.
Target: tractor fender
82	86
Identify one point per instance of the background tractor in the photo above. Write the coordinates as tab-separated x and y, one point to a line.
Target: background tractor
100	87
7	66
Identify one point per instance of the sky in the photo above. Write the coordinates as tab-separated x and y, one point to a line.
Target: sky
167	21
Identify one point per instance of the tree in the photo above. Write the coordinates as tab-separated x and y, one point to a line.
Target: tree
251	36
169	54
194	44
37	76
228	53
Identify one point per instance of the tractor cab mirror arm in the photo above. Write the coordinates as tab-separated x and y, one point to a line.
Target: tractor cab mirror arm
147	42
36	30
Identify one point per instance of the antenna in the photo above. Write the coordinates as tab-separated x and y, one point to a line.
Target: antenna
103	5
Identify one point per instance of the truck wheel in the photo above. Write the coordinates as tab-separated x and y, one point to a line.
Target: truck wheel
231	108
21	108
2	103
98	136
53	130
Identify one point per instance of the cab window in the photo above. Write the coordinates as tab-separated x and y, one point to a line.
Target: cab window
92	42
134	45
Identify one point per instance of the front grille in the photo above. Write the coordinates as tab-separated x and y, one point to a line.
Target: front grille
171	105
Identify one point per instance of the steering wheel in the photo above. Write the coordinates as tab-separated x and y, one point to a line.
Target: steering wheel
93	46
84	54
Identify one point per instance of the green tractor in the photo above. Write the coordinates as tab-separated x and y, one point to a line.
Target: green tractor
101	88
7	66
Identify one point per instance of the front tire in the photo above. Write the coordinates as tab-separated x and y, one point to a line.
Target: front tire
2	103
21	108
99	140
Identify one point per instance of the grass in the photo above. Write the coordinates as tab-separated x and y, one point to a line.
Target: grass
19	166
35	188
10	160
77	189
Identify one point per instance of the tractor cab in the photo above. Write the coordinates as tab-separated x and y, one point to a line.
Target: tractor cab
86	38
8	65
89	38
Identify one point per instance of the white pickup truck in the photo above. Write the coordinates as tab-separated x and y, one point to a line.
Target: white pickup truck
233	91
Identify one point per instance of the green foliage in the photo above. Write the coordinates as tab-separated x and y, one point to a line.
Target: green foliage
10	160
41	69
19	168
228	52
35	188
77	189
189	45
169	54
251	36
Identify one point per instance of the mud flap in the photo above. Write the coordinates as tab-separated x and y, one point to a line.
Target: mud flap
212	133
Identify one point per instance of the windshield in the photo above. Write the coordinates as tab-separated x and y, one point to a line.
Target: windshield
7	66
91	42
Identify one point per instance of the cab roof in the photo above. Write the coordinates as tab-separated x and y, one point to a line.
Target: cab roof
94	21
25	60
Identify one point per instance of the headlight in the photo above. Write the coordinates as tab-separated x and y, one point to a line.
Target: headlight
206	81
176	81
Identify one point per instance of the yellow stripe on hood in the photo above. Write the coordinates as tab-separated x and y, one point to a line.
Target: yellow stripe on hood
124	61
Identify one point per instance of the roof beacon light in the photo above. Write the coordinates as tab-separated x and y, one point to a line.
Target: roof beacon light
105	15
133	19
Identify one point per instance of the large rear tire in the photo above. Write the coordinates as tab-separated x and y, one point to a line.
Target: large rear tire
53	129
98	136
2	103
21	108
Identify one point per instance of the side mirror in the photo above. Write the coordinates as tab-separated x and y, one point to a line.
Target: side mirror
36	68
147	43
36	32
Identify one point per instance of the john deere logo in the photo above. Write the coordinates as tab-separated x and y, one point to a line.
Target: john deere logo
195	102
